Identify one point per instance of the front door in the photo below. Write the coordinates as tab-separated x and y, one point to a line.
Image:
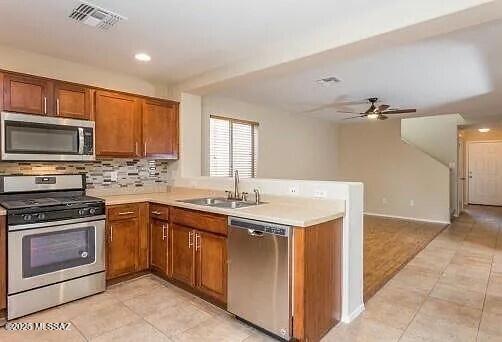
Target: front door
485	173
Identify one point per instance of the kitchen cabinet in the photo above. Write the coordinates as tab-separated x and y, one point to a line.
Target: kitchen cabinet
211	263
127	240
160	129
72	101
159	237
118	124
27	94
182	254
198	254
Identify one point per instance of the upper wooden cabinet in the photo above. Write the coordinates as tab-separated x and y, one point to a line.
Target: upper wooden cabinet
72	101
26	94
118	124
160	129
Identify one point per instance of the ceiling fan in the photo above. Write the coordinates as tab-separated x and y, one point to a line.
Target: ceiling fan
380	112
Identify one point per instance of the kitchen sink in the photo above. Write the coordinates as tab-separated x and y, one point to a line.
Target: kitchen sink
219	202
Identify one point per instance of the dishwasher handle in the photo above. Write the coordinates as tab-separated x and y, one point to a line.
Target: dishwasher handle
257	233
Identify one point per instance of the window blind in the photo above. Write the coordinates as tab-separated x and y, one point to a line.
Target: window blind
233	146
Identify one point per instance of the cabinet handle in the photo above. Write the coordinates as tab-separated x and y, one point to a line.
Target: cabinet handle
190	242
156	212
136	148
164	231
197	241
111	232
145	149
57	106
126	213
45	105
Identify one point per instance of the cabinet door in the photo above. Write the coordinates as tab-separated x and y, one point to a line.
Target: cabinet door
25	94
123	245
160	129
72	101
211	256
118	127
182	254
159	237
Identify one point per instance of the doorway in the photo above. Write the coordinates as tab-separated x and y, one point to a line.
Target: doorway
485	172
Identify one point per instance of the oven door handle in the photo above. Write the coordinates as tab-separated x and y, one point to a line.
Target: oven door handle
80	140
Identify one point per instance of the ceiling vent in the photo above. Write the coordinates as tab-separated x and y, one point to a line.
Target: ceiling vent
328	81
95	16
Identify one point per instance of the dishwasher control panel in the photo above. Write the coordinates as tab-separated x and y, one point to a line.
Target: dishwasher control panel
265	227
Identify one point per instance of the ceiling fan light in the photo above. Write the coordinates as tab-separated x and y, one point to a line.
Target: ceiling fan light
373	116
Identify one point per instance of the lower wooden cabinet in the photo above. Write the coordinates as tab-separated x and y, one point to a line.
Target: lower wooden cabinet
182	254
127	239
159	237
199	259
211	262
3	264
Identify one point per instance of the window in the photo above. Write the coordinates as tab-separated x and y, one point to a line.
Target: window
232	146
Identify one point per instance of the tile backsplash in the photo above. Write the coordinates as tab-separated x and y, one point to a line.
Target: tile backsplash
130	172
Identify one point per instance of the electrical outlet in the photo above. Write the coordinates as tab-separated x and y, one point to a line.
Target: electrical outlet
384	200
293	190
114	176
412	203
321	193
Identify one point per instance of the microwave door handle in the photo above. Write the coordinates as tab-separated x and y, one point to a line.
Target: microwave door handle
80	140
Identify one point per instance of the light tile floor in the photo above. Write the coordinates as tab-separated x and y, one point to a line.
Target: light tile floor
451	291
146	309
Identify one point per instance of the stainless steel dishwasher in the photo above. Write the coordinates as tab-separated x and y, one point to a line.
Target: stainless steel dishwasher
259	274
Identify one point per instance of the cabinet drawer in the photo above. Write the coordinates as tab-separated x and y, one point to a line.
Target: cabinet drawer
208	222
159	211
123	211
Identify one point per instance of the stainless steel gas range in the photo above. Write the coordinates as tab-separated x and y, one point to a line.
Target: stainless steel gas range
55	243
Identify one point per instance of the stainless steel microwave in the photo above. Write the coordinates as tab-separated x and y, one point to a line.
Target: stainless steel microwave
35	137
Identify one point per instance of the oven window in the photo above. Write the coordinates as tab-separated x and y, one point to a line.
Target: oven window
22	137
54	251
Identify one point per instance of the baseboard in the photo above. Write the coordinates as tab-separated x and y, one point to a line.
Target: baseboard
353	315
407	218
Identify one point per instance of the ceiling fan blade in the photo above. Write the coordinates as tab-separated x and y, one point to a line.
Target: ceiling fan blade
400	111
383	107
355	117
382	117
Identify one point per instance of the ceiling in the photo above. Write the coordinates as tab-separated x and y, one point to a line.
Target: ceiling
457	72
184	38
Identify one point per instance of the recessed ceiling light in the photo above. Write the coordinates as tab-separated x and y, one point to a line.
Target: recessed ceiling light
143	57
373	116
484	130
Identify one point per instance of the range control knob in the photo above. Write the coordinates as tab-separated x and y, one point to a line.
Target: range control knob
92	211
27	217
81	212
41	216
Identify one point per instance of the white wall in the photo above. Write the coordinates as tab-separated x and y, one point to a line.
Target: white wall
393	172
289	146
42	65
438	137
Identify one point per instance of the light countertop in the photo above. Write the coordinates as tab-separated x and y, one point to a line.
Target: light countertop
294	211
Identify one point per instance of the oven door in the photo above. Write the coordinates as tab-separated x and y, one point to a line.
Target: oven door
43	256
34	137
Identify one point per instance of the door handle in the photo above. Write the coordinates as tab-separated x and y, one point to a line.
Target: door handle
156	212
111	232
256	233
164	231
190	242
197	241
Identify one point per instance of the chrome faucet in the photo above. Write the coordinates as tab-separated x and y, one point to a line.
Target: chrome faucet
236	185
257	196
